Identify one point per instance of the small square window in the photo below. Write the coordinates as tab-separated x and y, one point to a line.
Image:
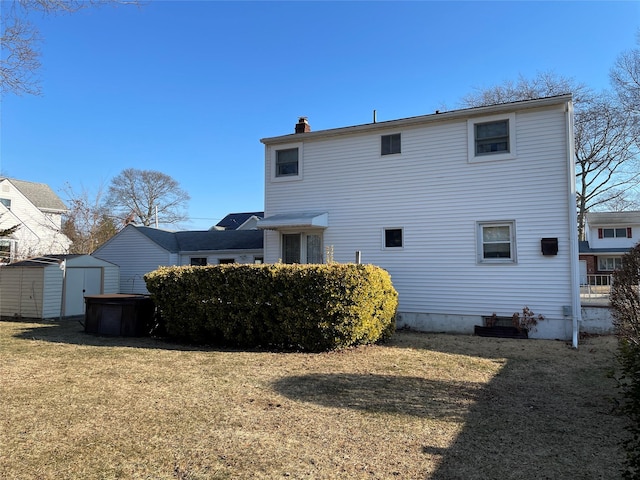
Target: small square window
287	162
492	137
393	238
496	242
390	144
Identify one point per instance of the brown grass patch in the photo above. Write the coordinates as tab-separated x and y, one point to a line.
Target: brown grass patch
422	406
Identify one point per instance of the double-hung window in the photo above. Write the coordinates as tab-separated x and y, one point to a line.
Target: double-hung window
287	162
491	138
496	242
390	144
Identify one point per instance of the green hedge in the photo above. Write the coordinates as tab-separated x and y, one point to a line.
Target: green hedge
309	307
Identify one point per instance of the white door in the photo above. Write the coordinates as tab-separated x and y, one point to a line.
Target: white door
78	283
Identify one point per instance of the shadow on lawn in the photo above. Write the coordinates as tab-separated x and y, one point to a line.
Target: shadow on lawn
71	331
382	394
542	416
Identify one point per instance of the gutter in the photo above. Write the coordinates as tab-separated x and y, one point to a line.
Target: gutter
576	307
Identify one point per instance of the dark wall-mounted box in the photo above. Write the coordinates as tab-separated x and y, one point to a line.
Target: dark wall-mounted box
549	246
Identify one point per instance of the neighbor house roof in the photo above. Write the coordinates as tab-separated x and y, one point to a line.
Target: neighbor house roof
613	218
44	260
39	194
583	247
235	220
207	240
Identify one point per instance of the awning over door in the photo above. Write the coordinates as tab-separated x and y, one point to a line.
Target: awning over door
295	220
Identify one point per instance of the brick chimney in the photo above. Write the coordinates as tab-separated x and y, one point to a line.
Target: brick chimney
303	126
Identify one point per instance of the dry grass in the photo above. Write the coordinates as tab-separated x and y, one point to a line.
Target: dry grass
420	407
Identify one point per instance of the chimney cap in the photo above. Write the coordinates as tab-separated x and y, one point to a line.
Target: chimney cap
303	125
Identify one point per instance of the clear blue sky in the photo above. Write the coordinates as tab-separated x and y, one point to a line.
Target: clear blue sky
189	88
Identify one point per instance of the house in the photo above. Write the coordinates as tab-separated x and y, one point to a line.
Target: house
608	236
37	211
139	250
472	212
53	286
239	221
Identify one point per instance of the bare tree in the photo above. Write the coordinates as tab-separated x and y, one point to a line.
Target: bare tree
20	40
147	197
625	78
87	224
605	138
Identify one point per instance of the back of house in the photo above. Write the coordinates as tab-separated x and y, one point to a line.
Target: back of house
472	211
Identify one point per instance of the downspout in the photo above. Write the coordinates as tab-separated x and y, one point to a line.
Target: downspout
576	308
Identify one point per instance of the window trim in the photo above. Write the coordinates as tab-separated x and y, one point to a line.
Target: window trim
273	155
389	135
513	251
473	157
384	238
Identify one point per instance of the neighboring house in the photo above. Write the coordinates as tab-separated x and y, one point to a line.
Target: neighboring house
53	286
37	211
239	221
140	250
608	236
472	212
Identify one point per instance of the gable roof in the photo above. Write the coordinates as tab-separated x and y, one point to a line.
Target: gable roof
422	119
235	220
40	194
206	240
613	218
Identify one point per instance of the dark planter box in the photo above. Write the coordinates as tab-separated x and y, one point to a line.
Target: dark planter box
119	315
502	332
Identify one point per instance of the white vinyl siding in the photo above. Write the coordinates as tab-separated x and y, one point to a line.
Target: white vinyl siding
435	190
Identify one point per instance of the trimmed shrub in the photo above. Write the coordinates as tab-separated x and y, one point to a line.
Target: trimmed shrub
625	304
308	307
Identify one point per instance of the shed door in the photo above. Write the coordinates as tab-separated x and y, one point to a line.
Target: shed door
80	282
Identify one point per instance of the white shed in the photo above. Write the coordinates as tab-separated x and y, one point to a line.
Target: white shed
54	286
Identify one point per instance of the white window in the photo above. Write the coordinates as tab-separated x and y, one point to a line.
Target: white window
393	238
609	264
491	138
496	242
390	144
287	162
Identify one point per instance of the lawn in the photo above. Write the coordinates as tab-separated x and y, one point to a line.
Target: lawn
422	406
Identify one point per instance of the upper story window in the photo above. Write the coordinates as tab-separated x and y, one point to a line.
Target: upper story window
287	162
491	138
6	202
393	238
496	242
624	232
390	144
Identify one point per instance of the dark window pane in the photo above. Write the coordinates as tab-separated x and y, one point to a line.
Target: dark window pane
291	248
621	232
390	144
393	238
492	137
286	162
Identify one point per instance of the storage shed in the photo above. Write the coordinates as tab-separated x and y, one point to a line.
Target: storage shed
54	286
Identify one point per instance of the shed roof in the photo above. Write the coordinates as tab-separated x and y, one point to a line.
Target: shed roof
40	194
56	259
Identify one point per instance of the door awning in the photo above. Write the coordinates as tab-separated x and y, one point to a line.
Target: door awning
295	220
